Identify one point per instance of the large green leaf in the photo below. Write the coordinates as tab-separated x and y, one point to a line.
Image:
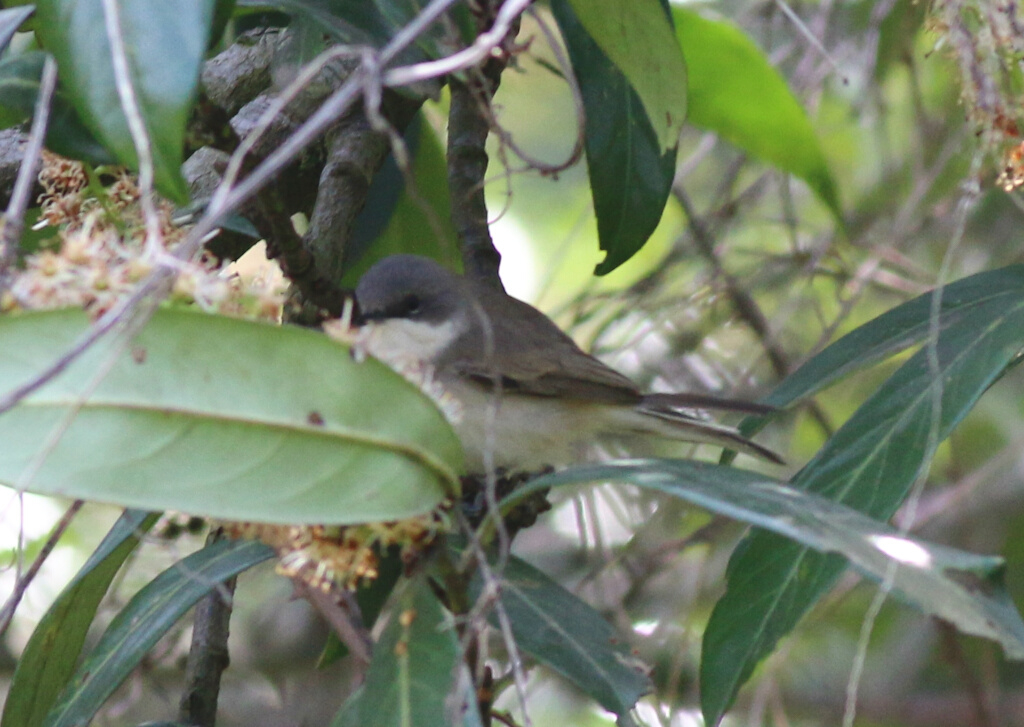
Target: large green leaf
735	92
52	652
165	45
637	38
147	617
222	417
630	172
961	588
564	633
65	134
870	465
415	667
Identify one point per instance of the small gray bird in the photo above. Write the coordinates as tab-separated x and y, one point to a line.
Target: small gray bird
530	396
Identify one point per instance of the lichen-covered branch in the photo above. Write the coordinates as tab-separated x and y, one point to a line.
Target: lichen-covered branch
468	126
355	153
208	656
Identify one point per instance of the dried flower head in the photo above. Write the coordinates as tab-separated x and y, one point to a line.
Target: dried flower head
342	557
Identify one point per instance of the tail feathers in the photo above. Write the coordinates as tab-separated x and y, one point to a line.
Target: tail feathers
683	427
687	400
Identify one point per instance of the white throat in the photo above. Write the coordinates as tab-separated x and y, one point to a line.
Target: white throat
400	341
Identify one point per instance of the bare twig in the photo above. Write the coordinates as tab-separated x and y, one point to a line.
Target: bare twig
208	654
347	624
14	218
22	584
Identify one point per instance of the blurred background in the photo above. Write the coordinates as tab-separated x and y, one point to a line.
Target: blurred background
746	276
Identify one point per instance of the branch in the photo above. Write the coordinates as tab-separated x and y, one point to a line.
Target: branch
13	222
342	615
355	153
468	126
208	655
22	584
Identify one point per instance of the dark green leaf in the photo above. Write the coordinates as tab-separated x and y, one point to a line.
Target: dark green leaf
735	92
356	22
165	44
636	37
397	220
962	588
51	654
147	617
870	465
202	411
222	12
564	633
898	329
10	20
630	177
66	135
416	665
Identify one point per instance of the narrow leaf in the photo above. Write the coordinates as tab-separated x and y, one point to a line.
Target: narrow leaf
147	617
52	652
65	134
415	666
898	329
203	411
962	588
564	633
734	91
630	171
870	465
165	45
10	20
637	38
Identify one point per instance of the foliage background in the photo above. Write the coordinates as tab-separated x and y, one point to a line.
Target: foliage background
747	275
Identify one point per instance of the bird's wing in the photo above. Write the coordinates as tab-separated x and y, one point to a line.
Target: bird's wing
546	362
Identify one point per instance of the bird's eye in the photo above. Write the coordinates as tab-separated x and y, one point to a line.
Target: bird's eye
412	304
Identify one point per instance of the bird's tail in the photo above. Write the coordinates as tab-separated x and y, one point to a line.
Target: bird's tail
657	415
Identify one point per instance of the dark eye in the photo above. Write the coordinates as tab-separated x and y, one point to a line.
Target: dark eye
411	305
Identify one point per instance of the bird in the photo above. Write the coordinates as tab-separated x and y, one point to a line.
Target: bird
529	397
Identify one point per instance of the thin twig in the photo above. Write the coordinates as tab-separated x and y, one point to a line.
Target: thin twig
14	218
22	584
347	625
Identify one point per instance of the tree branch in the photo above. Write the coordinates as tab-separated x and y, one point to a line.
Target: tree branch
208	655
468	126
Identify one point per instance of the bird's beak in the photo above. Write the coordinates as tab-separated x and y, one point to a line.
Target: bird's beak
358	319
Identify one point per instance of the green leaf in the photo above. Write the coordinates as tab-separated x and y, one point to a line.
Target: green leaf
147	617
19	88
416	664
898	329
10	20
203	411
394	220
962	588
870	465
564	633
735	92
636	37
165	44
630	176
51	654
